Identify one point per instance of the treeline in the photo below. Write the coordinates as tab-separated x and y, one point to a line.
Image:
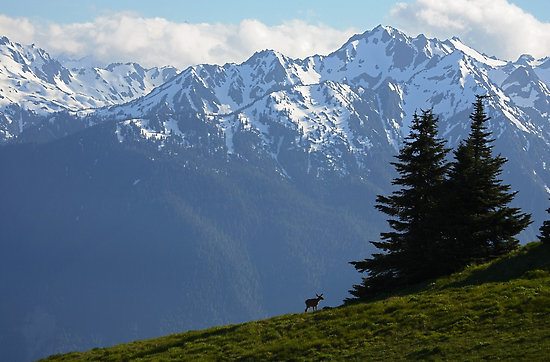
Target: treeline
444	215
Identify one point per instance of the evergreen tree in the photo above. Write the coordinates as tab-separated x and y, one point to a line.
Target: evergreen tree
480	225
411	251
545	231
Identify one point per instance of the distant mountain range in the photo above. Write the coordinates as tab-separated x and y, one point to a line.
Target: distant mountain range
33	84
331	113
225	193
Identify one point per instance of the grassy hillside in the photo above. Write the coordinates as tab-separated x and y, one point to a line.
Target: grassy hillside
499	310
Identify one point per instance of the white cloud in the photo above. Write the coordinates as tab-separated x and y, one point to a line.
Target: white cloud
495	27
17	28
157	41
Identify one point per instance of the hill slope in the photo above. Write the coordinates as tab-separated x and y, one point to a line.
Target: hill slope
498	310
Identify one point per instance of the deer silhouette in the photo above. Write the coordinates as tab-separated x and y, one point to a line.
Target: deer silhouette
312	303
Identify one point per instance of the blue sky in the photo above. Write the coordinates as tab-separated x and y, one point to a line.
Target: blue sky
182	33
340	14
269	12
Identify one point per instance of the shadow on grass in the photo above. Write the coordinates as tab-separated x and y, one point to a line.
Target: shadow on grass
183	340
426	353
517	265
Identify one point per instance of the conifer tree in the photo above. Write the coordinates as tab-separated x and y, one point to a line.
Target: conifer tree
545	231
411	250
480	224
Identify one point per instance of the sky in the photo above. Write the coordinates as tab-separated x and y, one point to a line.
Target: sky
182	33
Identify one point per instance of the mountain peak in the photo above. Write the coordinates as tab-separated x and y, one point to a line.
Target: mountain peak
521	76
525	58
385	29
382	32
528	60
268	55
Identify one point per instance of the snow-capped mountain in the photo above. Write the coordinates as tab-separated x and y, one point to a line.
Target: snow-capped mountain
341	108
335	112
32	83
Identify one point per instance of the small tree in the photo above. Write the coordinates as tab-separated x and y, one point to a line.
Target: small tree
481	224
545	231
411	251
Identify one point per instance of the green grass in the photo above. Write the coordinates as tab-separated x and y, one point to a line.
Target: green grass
500	310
